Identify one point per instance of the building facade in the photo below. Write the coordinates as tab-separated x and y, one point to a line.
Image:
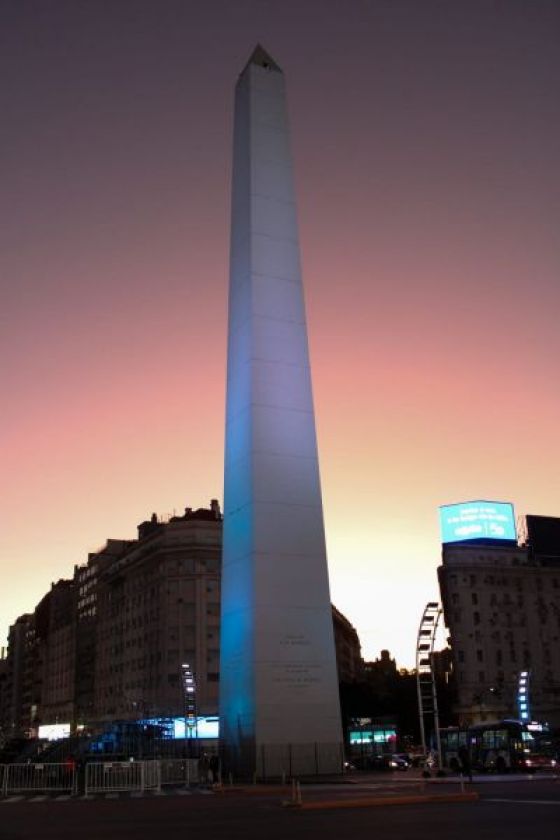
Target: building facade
86	580
502	608
16	693
108	645
157	608
349	660
55	650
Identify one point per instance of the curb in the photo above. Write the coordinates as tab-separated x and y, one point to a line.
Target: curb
371	802
257	790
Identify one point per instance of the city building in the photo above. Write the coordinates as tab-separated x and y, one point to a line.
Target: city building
16	696
86	581
55	648
158	607
349	660
108	645
501	605
3	695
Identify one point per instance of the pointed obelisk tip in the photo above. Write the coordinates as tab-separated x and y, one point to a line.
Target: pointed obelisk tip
261	58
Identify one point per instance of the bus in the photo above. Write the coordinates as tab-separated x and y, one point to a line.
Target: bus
503	746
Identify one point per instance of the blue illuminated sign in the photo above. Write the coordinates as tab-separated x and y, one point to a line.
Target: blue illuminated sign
477	521
523	697
382	736
206	727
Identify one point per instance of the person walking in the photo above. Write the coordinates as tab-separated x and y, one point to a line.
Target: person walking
215	768
203	769
465	759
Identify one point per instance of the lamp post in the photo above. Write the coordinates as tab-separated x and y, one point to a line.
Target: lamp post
188	684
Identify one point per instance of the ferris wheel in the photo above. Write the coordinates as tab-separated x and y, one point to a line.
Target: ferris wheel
425	677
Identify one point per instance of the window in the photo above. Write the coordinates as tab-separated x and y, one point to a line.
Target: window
479	656
474	598
501	739
488	739
476	618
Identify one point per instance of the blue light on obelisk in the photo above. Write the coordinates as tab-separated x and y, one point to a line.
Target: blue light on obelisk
278	679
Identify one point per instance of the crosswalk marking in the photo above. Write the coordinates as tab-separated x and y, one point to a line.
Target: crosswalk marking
89	797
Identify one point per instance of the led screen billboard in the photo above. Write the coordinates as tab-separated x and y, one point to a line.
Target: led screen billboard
477	521
54	731
206	727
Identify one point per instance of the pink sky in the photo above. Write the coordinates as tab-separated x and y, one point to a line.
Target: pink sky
425	150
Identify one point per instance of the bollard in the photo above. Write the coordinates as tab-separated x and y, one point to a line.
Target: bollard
294	792
462	783
230	778
299	799
255	777
283	778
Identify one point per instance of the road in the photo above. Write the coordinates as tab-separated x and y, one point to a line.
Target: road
513	810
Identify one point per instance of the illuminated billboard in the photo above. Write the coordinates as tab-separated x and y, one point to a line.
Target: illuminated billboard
205	727
54	731
479	520
368	736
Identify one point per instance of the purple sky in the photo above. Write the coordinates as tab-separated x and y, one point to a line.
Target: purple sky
426	136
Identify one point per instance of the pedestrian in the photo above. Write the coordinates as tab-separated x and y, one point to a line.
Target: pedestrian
80	777
215	768
203	769
465	759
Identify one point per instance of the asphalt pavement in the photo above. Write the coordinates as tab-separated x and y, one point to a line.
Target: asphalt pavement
528	807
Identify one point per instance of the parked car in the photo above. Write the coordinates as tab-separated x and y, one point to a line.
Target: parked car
394	761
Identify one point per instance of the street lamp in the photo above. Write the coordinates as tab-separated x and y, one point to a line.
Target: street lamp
188	683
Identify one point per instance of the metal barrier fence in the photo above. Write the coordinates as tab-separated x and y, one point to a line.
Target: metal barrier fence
313	759
275	761
24	778
113	776
179	771
2	777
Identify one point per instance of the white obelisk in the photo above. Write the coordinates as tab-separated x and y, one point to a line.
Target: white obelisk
279	703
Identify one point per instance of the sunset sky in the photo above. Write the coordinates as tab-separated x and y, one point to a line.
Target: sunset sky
426	137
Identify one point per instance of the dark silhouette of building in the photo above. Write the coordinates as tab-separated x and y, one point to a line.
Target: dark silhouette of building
348	649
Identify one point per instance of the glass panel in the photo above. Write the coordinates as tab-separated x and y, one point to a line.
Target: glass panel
501	739
488	739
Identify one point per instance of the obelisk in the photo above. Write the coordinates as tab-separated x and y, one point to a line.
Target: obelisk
279	703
